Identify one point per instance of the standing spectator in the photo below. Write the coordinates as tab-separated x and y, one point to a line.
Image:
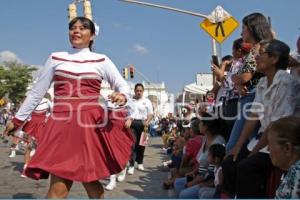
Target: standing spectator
138	121
230	96
221	89
255	28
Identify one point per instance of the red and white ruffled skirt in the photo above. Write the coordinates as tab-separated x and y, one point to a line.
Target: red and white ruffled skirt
82	146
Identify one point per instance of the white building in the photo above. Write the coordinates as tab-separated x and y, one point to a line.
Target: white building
162	101
194	91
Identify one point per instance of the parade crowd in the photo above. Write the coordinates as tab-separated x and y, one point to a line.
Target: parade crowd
246	143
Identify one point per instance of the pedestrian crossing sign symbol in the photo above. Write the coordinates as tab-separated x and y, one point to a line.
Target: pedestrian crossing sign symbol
220	30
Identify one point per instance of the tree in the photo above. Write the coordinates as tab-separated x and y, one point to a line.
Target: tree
15	78
3	88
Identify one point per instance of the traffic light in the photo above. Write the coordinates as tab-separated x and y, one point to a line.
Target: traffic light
131	71
72	11
125	73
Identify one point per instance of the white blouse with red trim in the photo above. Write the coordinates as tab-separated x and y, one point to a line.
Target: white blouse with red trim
80	61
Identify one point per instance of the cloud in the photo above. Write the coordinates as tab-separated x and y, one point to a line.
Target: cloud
117	25
140	49
8	56
122	27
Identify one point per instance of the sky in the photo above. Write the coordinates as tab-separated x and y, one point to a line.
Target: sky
163	45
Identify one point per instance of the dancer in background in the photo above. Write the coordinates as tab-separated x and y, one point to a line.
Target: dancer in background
34	128
139	119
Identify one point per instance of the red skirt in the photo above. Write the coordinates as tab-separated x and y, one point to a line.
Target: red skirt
35	126
75	146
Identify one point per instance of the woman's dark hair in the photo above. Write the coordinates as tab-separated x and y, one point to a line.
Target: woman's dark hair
287	130
279	49
227	58
239	44
138	85
217	151
195	125
87	23
211	122
258	26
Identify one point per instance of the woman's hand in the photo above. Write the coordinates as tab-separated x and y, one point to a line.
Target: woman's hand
227	63
235	152
243	90
128	123
118	98
217	71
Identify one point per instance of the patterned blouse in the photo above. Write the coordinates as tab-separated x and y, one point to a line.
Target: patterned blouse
230	92
249	66
290	185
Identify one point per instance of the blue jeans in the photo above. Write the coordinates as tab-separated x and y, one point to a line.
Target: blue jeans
206	192
185	193
240	121
152	131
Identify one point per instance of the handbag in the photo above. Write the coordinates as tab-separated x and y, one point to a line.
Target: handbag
144	140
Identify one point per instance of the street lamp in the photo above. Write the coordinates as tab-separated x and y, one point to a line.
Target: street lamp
214	46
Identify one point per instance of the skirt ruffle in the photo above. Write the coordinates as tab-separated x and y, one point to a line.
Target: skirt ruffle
34	127
82	146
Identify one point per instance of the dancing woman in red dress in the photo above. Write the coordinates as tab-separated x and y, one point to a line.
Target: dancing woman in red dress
33	128
82	140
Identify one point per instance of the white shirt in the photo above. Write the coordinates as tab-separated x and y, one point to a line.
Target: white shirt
44	105
279	100
142	108
203	153
294	72
77	61
217	171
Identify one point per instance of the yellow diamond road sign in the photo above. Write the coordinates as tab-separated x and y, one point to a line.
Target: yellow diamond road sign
221	30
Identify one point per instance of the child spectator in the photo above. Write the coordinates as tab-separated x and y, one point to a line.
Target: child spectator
215	157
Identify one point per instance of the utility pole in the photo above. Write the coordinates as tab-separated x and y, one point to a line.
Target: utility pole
214	45
166	8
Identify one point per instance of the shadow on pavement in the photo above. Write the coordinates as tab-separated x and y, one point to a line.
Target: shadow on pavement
22	196
156	146
151	185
